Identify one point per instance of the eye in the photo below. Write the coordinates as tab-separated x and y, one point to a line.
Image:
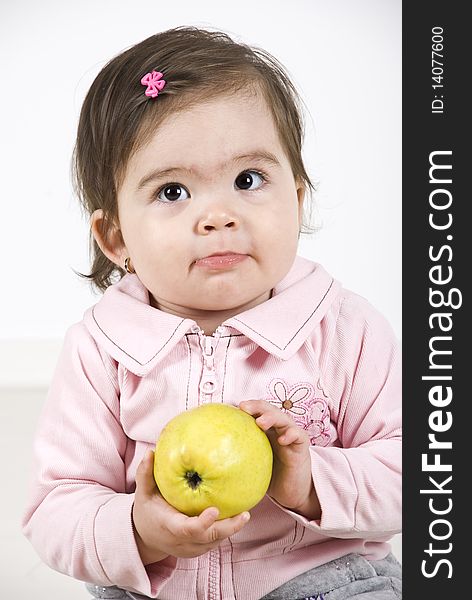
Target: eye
172	192
249	180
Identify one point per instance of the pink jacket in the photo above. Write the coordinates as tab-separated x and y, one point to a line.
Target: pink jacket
316	350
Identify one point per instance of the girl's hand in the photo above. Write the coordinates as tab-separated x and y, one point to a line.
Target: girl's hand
161	530
291	484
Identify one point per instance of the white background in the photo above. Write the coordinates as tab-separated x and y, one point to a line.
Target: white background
345	59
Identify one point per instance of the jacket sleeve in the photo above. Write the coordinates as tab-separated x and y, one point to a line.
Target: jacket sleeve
78	516
359	482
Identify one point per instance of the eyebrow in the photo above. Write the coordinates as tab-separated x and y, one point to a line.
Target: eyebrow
257	155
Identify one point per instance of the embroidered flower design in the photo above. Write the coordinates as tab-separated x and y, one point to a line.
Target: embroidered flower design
317	429
310	412
289	399
320	387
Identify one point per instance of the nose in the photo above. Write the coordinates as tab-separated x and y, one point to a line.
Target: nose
217	220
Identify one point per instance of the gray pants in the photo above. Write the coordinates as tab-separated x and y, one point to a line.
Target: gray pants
351	577
112	593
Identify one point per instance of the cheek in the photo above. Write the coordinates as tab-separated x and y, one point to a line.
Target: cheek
281	224
277	246
146	237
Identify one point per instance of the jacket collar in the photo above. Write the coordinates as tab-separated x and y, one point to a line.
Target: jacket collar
139	336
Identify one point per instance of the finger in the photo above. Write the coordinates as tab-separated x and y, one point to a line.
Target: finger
255	407
205	529
268	420
207	517
265	414
293	435
195	528
227	527
277	419
145	483
262	408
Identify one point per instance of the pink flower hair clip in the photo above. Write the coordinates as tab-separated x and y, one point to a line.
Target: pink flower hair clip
154	83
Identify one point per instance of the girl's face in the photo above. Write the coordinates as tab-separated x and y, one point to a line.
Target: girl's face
209	210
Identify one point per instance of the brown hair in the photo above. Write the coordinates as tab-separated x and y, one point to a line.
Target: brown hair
117	118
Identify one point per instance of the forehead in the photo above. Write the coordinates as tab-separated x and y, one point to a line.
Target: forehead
209	134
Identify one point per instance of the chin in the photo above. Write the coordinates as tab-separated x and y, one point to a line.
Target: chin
235	303
222	306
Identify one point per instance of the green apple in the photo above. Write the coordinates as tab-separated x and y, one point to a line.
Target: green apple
213	455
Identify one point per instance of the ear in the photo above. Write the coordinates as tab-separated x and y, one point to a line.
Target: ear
110	242
301	190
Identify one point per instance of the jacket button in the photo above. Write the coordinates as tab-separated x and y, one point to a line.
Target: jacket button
208	387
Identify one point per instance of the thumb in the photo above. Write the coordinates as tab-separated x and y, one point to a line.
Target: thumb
145	483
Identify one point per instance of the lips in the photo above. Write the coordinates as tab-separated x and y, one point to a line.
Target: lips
221	260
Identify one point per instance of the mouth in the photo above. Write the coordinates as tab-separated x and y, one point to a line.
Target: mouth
220	260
